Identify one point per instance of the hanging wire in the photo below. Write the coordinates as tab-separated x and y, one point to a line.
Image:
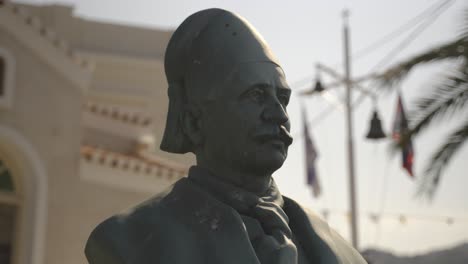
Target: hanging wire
434	14
387	38
447	219
412	36
383	200
302	82
398	31
316	120
415	33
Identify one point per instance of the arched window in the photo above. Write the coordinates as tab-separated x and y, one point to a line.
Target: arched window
6	180
7	214
2	75
7	68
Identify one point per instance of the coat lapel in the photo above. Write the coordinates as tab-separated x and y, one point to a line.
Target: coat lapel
221	229
313	234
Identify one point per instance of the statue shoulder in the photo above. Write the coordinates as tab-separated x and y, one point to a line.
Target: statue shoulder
116	239
326	240
102	245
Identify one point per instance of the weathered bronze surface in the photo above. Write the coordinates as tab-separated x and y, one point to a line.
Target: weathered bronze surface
228	97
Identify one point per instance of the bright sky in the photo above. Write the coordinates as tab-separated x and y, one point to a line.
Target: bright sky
302	33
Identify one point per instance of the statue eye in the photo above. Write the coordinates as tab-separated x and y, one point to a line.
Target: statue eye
284	99
256	94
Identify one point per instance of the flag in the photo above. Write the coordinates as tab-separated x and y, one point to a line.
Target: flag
400	127
310	157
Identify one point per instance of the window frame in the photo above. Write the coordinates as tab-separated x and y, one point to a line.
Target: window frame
6	99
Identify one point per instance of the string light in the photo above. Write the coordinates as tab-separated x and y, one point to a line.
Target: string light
402	218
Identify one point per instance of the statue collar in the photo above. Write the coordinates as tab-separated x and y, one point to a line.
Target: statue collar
241	200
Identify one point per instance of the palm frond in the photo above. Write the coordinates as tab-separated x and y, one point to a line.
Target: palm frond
464	26
454	49
439	161
447	98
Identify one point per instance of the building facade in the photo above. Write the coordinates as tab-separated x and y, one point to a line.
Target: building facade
82	111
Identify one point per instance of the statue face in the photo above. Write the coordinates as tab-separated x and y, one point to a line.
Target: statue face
247	127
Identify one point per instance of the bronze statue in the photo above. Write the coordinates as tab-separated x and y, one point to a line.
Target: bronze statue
227	105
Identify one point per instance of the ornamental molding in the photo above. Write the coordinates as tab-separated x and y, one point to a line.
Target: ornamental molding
127	172
45	43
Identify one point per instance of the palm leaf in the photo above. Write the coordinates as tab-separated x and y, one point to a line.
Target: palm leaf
439	161
455	49
447	98
464	26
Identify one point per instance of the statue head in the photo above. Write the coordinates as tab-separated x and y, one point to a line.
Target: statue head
227	94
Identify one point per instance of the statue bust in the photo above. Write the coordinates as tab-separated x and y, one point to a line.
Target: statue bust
227	104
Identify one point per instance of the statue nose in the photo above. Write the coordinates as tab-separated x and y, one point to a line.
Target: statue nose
276	113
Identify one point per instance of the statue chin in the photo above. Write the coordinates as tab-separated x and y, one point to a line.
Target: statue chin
266	163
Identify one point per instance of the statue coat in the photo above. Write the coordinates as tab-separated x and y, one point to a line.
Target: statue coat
186	225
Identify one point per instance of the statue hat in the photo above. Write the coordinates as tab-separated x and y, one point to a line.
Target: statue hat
201	53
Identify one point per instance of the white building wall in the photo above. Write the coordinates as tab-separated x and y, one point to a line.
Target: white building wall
52	87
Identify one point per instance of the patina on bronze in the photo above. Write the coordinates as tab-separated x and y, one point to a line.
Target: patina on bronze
227	105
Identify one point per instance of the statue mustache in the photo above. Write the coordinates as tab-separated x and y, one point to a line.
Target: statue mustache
281	134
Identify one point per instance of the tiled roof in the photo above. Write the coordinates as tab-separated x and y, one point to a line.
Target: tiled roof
133	163
116	113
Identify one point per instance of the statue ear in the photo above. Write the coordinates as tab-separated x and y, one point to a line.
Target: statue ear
192	124
174	139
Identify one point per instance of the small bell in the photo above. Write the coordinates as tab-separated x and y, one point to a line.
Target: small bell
318	87
375	131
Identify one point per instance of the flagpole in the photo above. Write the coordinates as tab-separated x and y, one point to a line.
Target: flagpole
349	130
